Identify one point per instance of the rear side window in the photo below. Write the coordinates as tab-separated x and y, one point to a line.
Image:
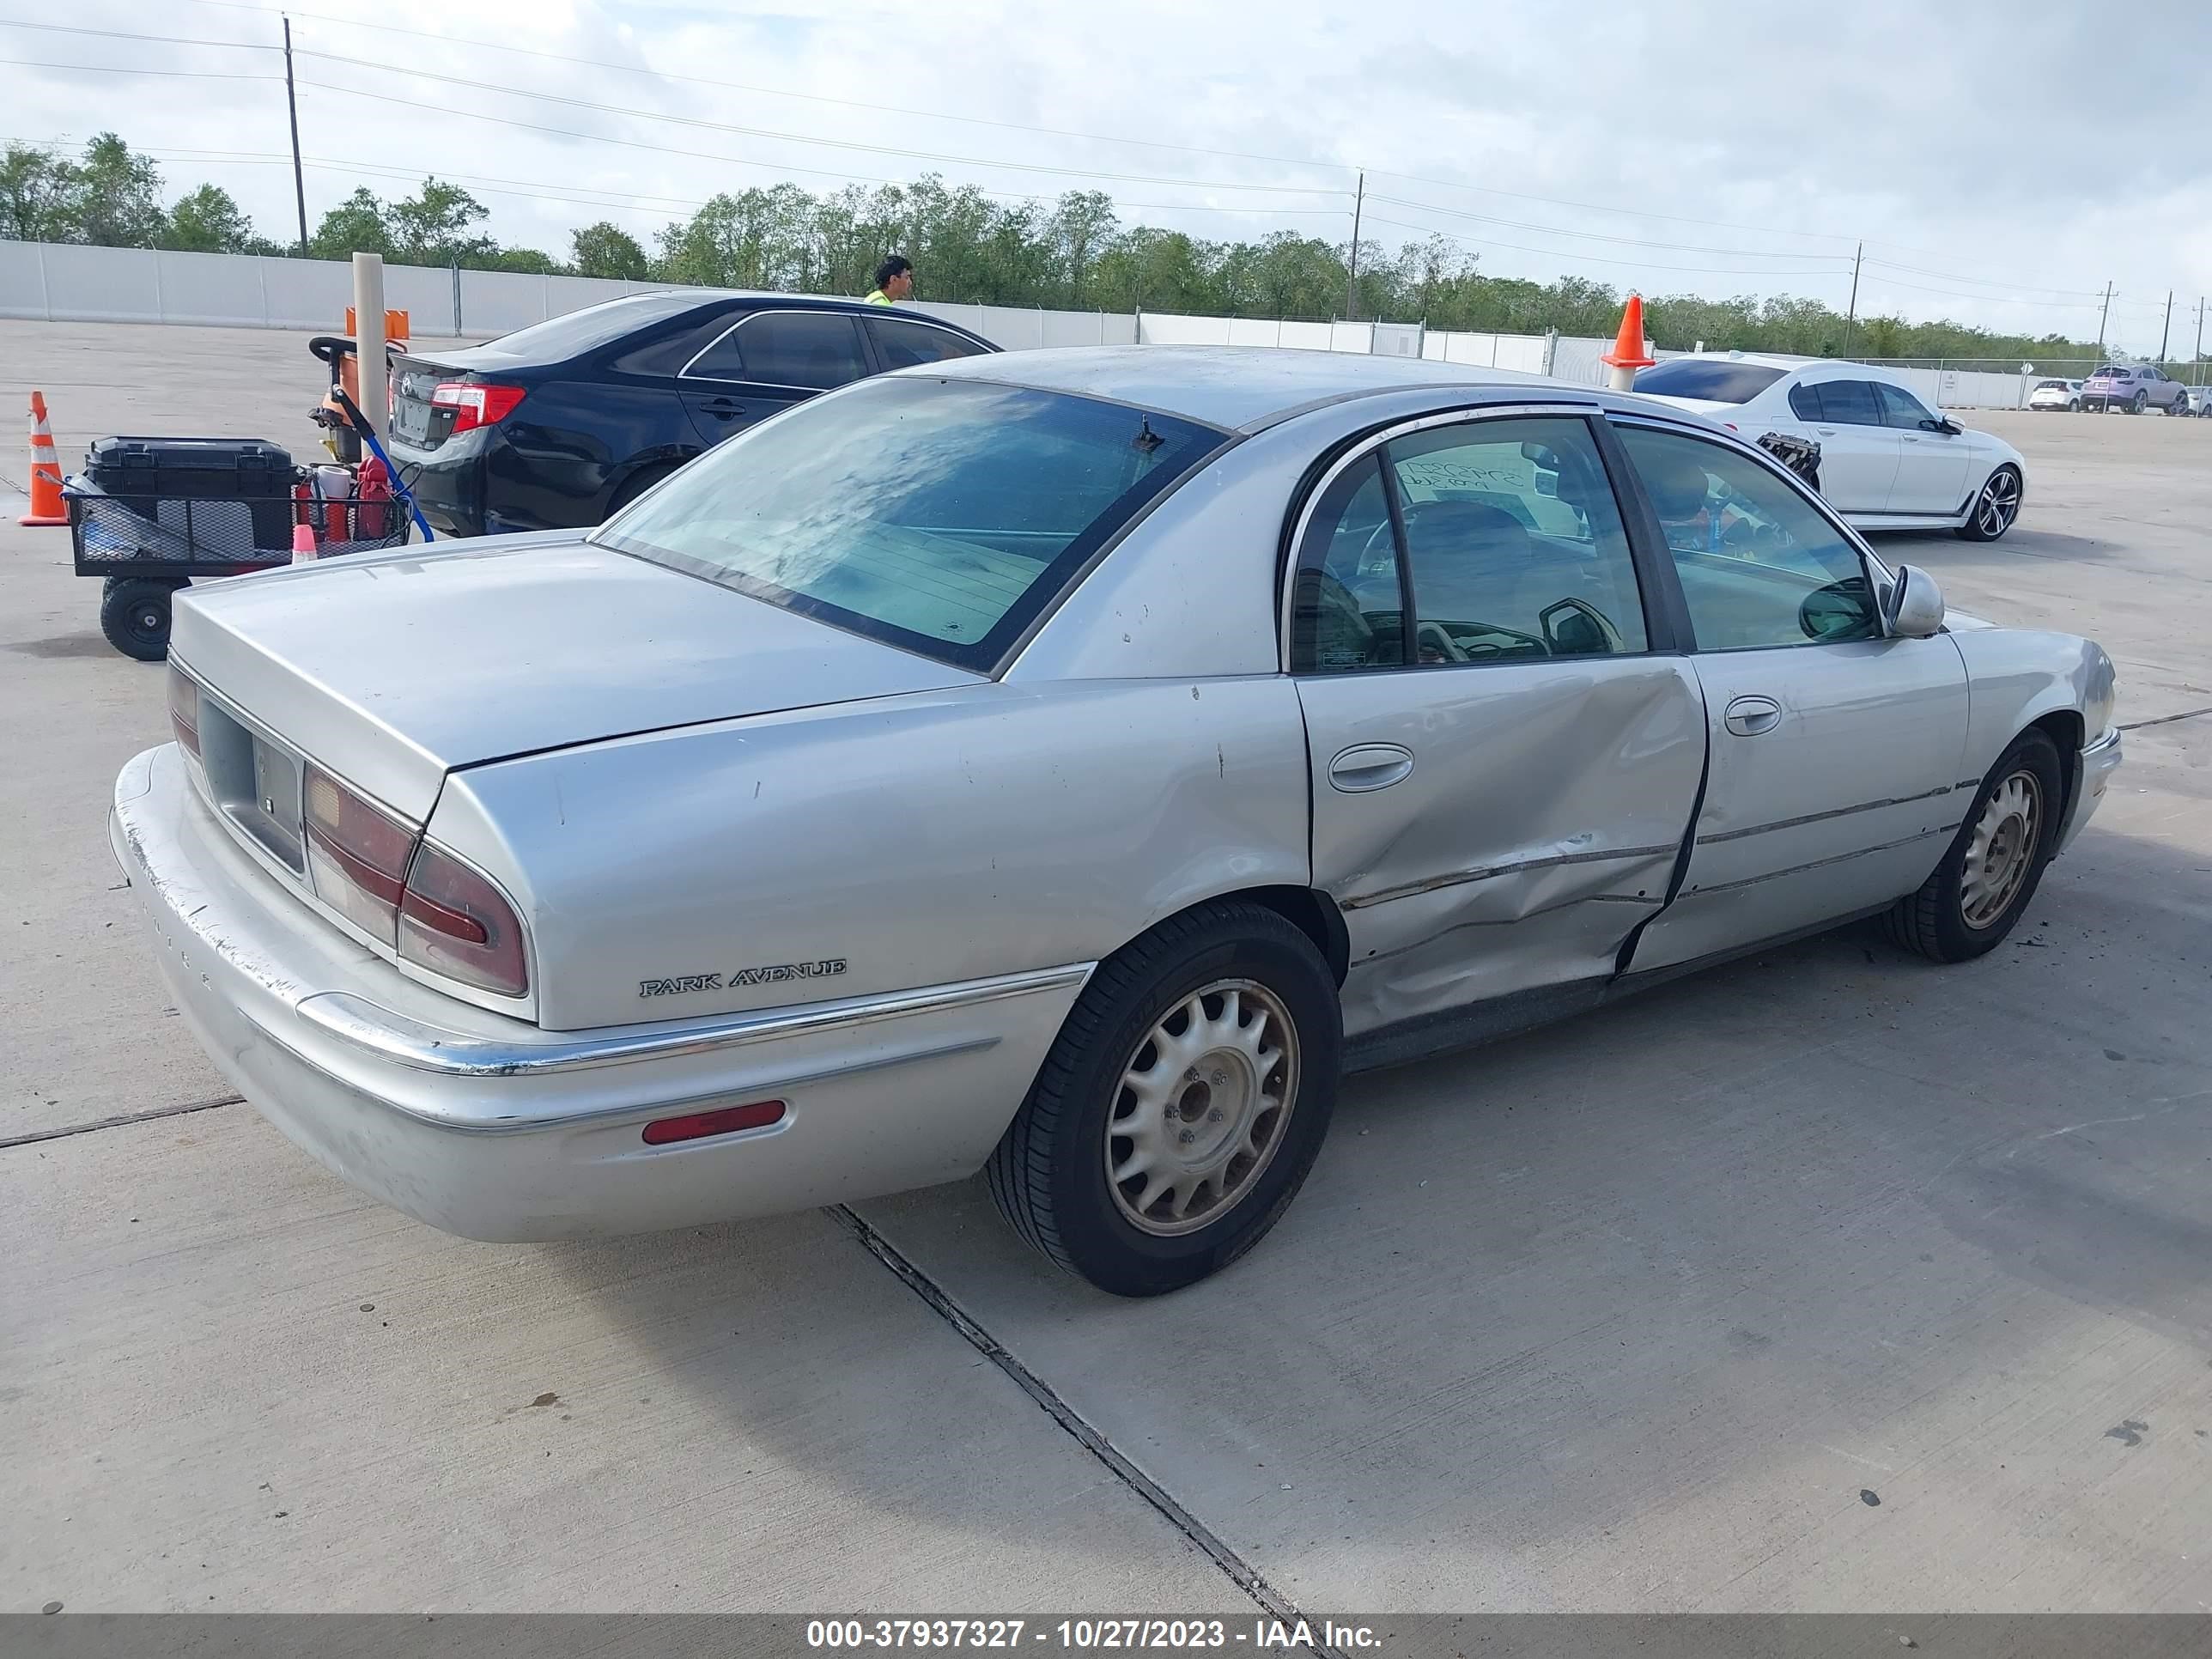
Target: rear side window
939	516
901	344
816	350
1805	402
1718	381
1848	403
666	354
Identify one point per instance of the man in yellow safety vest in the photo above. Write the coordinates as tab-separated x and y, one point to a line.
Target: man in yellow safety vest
894	280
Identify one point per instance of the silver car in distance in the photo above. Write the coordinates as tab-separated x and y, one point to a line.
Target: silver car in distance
1064	763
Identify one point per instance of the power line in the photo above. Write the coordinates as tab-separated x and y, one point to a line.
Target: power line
113	68
597	107
1596	236
1593	258
126	35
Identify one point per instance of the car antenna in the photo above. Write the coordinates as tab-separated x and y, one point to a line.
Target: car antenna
1146	439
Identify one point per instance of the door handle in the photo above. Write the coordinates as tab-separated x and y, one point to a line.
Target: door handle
723	406
1749	716
1825	431
1367	766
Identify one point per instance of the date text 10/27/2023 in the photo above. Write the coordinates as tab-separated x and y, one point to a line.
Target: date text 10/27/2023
1091	1635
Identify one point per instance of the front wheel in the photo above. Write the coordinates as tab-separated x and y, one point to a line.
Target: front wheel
134	614
1995	862
1181	1105
1994	508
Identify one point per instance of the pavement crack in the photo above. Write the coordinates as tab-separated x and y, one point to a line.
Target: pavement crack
118	1121
1241	1572
2165	720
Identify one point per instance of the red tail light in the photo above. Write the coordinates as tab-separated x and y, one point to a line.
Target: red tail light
725	1121
185	712
377	871
357	855
475	403
454	922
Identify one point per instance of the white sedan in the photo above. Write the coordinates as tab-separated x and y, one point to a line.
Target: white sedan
1887	461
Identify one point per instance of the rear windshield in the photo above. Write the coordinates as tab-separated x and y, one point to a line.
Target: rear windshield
939	516
1712	378
2108	372
578	331
2051	385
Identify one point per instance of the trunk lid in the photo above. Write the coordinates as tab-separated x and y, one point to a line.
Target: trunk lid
393	670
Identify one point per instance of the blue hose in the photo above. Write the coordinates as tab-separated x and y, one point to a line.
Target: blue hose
368	436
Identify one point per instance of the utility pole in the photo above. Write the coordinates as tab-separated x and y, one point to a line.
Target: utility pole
1351	280
2167	327
292	107
2196	362
2102	315
1850	322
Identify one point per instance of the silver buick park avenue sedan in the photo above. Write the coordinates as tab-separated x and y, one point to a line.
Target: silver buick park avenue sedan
1062	763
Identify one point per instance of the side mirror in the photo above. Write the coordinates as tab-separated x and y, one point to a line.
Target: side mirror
1915	610
1949	429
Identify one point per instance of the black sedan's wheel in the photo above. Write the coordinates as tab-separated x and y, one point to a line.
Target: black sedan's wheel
134	614
1995	862
1181	1106
1994	508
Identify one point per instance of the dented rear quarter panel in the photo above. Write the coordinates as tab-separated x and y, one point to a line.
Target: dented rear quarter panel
918	840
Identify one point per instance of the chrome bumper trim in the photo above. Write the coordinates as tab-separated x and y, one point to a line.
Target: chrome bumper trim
405	1042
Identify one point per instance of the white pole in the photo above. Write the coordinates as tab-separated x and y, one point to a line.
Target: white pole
369	338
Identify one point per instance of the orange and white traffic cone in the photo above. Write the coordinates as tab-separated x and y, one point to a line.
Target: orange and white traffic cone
1630	352
47	504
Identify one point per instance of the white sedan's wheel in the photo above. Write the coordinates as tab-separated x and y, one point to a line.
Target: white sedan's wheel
1997	504
1203	1106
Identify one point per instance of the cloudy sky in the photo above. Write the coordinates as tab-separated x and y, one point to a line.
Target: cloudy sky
2000	162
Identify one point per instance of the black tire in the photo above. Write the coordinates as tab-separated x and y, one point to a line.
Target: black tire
1933	922
134	614
2138	402
1048	1173
637	484
2004	503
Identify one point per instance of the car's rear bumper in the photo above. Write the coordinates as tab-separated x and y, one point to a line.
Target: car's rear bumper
492	1128
2099	760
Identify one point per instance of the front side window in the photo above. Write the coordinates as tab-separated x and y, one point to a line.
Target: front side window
939	516
1900	409
1506	532
816	350
1759	565
901	344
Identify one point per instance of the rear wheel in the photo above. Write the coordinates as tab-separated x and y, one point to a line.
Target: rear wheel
2138	402
1995	506
1995	862
1181	1105
134	614
638	482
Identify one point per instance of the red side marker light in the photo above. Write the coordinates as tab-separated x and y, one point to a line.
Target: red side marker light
725	1120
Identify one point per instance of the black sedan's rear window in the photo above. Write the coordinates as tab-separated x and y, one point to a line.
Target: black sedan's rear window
939	516
559	339
1715	380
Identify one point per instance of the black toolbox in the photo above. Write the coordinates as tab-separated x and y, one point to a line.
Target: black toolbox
142	472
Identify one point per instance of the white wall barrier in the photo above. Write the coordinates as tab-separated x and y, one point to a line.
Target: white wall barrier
49	281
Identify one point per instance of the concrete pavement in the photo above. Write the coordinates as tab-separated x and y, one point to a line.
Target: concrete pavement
1631	1313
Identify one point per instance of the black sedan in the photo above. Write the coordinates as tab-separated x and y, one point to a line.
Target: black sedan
555	426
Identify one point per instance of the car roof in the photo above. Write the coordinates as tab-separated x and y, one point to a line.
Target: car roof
1236	388
1766	359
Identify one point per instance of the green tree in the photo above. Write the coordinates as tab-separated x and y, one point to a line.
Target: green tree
208	221
1082	225
606	249
527	259
34	195
114	197
355	225
431	227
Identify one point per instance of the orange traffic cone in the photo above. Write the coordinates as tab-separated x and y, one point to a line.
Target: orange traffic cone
1628	354
47	504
